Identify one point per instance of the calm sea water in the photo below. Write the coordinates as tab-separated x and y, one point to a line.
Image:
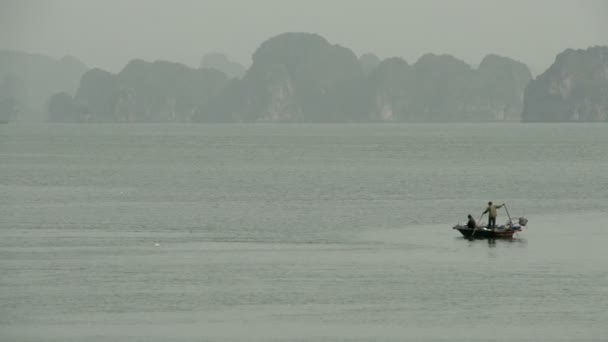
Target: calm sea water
301	233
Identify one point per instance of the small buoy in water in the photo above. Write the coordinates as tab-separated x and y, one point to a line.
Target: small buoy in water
156	244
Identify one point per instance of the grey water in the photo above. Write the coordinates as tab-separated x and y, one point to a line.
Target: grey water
301	232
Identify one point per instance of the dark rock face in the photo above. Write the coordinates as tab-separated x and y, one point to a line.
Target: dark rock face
296	77
164	91
144	92
443	88
301	77
498	90
574	88
391	87
97	94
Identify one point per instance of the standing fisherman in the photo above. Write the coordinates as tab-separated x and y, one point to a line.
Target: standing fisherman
491	210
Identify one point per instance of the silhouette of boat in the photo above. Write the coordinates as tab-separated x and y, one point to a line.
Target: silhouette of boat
505	231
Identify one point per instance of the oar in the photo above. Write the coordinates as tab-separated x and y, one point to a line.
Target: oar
509	216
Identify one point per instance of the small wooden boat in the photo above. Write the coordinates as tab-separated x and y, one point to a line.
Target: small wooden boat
485	233
505	231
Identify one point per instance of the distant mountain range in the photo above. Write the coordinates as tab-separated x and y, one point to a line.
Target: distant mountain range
141	92
301	77
298	77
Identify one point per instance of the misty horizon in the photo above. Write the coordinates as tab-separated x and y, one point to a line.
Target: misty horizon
109	35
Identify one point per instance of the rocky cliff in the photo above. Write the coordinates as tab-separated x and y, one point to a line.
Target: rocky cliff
141	92
443	88
295	77
574	88
27	82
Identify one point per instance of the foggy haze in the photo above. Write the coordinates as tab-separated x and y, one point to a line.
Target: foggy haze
108	34
313	170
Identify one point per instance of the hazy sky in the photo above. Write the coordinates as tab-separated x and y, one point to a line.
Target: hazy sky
107	33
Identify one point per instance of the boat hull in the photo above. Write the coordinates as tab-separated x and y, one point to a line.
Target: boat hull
484	233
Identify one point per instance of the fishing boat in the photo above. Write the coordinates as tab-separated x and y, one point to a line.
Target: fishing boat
500	232
505	231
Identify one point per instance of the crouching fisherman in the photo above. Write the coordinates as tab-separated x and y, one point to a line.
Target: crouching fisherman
471	223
